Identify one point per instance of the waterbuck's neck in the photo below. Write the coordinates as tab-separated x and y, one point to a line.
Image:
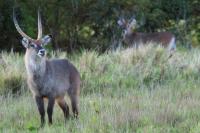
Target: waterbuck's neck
35	65
130	36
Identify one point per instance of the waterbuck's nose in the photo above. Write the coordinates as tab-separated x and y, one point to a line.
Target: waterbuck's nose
41	52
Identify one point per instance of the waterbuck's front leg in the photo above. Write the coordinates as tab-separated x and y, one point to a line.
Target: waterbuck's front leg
40	104
50	108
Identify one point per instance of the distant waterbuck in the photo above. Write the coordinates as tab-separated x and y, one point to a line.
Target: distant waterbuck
131	38
49	78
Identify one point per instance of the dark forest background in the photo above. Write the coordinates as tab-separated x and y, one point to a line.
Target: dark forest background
92	24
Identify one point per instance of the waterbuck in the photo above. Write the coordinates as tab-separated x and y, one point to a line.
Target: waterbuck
49	78
131	38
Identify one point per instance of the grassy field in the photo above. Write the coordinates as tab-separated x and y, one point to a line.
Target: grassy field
122	91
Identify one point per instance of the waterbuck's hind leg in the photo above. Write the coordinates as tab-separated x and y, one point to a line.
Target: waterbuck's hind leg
40	105
63	105
74	102
50	106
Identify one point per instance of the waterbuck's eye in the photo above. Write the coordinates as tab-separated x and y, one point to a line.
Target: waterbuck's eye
32	45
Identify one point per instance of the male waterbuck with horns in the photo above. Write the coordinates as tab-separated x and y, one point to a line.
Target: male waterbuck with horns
131	38
50	79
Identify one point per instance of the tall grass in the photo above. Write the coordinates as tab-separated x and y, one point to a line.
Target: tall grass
122	91
12	73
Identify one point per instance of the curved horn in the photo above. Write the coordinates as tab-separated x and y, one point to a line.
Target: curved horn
18	28
39	26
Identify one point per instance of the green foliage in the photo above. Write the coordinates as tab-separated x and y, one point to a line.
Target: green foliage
91	24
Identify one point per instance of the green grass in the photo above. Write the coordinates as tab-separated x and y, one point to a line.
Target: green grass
122	91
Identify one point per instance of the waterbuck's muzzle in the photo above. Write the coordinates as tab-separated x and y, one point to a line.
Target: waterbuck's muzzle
41	52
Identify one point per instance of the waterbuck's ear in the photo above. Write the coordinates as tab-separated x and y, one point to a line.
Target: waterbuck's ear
133	23
120	22
25	42
46	39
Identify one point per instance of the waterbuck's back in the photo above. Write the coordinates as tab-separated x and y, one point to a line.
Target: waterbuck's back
163	38
65	74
